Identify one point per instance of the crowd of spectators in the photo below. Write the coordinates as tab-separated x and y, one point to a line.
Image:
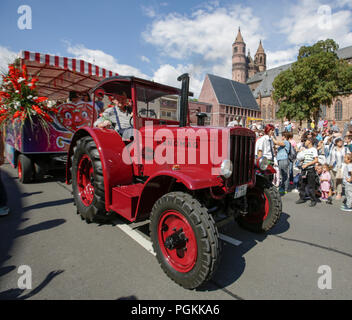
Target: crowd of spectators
320	156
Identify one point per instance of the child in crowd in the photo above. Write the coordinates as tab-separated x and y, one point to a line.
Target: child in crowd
325	183
347	180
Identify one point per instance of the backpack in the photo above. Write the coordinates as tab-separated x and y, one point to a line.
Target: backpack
292	154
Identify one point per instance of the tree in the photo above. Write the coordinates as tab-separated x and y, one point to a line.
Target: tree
313	80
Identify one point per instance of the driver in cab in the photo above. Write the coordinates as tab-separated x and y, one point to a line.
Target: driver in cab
117	115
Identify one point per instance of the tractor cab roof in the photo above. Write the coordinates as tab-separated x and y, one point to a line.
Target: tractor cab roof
123	84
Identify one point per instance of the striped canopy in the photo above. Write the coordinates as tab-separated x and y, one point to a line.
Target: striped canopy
60	75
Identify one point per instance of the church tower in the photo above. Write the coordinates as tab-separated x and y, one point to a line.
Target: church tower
239	60
260	58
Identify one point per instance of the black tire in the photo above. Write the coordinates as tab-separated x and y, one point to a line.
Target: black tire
25	169
39	171
206	237
95	211
259	219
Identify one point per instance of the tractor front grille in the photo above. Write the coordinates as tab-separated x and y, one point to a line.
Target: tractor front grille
242	157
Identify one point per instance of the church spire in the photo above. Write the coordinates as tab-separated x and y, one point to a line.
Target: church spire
239	37
260	58
260	48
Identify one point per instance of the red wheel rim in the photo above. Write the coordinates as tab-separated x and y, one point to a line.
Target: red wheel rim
85	176
183	258
258	206
19	168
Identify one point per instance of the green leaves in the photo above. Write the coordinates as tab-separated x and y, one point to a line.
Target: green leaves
313	80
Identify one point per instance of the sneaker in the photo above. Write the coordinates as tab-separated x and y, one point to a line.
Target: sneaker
300	201
4	211
295	191
313	204
347	209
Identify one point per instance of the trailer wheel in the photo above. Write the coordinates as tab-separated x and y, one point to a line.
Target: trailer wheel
264	208
88	181
25	169
185	239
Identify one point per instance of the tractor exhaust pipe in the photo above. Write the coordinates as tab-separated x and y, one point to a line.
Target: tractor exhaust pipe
184	98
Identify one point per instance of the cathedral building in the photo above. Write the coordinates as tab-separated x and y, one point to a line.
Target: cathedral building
260	80
249	93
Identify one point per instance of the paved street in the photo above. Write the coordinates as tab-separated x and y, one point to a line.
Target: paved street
70	259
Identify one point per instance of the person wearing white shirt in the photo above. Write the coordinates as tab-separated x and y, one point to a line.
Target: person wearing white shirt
308	176
265	146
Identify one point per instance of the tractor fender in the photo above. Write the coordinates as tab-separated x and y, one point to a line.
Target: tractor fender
110	147
162	182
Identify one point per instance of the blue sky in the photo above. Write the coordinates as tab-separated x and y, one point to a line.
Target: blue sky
161	39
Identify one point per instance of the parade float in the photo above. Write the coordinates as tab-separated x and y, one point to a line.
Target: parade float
37	121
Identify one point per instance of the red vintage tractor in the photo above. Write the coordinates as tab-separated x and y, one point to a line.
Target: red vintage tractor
144	174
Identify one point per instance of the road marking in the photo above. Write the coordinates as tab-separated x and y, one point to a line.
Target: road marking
145	243
228	239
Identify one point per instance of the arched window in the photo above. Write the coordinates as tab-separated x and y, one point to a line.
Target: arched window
235	50
261	59
338	110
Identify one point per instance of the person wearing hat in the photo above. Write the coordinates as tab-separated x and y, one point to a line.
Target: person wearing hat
336	161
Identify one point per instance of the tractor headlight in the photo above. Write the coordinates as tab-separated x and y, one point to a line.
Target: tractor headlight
263	163
226	168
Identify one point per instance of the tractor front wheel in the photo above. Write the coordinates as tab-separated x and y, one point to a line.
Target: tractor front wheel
264	207
185	239
88	180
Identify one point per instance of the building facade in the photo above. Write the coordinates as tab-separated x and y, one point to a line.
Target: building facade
228	99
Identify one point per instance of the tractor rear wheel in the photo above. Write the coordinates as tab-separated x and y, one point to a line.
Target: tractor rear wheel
88	181
264	207
185	239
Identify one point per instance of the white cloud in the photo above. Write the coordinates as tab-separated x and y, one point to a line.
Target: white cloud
145	59
204	37
168	74
6	56
207	32
104	60
281	57
311	20
148	11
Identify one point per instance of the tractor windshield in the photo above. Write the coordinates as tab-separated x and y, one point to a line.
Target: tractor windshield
154	103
